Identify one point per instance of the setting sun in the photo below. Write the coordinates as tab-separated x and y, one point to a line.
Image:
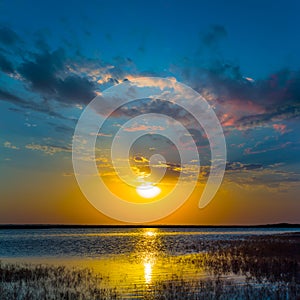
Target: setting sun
148	190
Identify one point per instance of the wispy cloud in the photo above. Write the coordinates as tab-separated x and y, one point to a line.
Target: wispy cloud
9	145
280	128
270	177
261	148
144	127
47	149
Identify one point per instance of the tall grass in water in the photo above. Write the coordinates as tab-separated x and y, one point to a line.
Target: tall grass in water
211	289
38	282
275	259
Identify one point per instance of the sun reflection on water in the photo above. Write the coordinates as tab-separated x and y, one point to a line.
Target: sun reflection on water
148	251
148	271
150	233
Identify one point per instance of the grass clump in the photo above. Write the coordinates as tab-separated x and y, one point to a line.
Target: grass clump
36	282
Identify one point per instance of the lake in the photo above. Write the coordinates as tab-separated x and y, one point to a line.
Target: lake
131	259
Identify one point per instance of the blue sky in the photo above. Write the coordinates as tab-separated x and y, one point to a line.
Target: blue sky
243	57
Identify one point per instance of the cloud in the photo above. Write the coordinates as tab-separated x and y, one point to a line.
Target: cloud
76	89
269	177
62	128
146	106
143	128
7	96
280	128
173	167
42	71
238	166
261	148
242	102
173	170
28	105
54	76
140	159
47	149
48	74
276	113
5	65
198	136
9	145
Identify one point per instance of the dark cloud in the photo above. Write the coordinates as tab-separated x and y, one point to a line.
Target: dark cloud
28	105
5	65
48	75
279	95
279	113
199	137
146	106
244	101
238	166
42	72
140	159
7	36
61	128
240	102
53	75
76	89
7	96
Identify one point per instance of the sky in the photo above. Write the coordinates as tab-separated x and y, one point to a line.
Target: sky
241	56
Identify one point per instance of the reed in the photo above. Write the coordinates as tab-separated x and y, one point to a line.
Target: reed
37	282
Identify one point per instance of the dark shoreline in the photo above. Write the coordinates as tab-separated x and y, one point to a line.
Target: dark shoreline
50	226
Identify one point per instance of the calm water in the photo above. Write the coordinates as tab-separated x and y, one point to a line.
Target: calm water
108	242
127	256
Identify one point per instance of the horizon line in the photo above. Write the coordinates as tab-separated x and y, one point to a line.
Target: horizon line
57	225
